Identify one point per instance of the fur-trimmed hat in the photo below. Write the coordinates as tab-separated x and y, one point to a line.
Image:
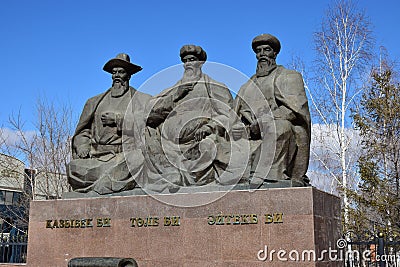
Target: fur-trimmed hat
266	39
122	60
193	50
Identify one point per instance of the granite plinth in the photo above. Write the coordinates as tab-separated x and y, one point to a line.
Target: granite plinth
226	229
212	187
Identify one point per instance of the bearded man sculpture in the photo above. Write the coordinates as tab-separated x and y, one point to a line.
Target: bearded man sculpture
98	162
274	106
186	142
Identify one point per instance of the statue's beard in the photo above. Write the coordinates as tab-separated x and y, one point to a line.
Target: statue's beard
119	88
264	67
191	73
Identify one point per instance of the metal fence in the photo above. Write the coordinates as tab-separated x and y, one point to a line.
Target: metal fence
371	251
13	246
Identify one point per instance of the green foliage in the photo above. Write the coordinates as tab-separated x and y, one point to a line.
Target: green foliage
378	121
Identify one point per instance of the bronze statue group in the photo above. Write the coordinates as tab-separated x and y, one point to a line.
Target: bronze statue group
194	133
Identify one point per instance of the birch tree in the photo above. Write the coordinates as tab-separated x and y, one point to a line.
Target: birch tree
343	45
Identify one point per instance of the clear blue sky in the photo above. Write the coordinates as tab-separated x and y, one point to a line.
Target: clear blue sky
57	48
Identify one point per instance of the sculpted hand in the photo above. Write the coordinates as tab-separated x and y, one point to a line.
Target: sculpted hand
202	133
183	90
283	113
279	115
83	152
108	118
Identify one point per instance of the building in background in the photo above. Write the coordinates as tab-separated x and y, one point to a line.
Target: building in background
12	193
19	185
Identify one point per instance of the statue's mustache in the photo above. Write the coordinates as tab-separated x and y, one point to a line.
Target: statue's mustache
119	80
265	59
189	67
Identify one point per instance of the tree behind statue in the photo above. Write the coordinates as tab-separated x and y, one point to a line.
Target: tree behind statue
378	121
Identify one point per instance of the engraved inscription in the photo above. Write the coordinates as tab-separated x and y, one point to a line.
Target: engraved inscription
74	223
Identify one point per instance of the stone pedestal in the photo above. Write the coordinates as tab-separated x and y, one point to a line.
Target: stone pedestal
236	228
